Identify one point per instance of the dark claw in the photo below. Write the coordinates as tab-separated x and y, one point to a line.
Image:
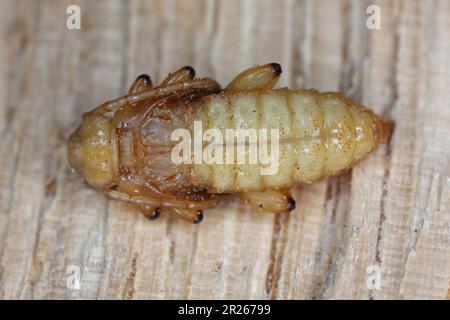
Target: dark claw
291	204
191	71
276	69
155	214
145	77
199	217
113	187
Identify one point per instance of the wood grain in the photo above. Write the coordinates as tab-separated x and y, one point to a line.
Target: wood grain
391	211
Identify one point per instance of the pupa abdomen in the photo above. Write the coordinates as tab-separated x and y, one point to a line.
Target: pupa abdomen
125	148
320	134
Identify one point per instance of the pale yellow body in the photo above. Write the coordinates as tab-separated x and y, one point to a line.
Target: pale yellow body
123	147
320	134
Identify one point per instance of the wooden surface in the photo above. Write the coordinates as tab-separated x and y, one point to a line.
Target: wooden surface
392	211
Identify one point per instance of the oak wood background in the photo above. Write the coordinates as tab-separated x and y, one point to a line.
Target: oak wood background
392	210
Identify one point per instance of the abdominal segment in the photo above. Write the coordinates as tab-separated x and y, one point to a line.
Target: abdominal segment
317	135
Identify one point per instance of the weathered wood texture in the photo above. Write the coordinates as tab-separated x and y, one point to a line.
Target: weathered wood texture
391	211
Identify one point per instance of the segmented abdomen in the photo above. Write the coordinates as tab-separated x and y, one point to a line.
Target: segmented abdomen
320	134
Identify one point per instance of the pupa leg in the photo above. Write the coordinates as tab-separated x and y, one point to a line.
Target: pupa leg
259	77
142	83
184	74
202	84
206	84
190	215
270	200
150	212
152	207
121	195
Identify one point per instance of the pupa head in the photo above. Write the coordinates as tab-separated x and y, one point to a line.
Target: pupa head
91	150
